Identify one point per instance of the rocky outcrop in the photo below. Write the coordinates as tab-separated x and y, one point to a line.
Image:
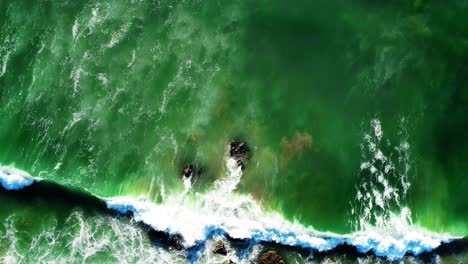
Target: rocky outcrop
220	249
175	242
238	149
240	152
192	171
188	171
270	257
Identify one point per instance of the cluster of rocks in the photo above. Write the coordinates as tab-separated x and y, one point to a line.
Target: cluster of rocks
267	257
175	242
220	248
239	151
270	257
188	171
191	170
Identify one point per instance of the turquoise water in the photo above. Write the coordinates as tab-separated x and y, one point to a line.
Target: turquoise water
115	97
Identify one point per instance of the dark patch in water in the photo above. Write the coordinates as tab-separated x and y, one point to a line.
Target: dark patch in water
55	195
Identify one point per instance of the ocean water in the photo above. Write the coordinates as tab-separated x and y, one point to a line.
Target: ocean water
354	113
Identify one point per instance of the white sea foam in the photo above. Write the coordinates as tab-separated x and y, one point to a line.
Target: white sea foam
75	29
14	179
133	59
4	64
187	184
229	183
240	217
384	182
82	239
103	78
397	239
223	212
166	95
76	75
118	36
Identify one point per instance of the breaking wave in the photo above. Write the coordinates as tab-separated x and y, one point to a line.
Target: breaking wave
196	221
223	213
14	179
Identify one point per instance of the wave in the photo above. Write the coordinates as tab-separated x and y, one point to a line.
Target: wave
237	218
197	228
14	179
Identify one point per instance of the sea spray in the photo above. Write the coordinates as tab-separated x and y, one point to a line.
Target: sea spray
187	184
81	239
379	209
384	183
15	179
229	182
233	216
241	217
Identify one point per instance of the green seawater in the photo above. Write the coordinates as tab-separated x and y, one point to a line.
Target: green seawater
115	97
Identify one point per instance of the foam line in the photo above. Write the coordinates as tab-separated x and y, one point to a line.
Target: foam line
193	227
14	179
392	246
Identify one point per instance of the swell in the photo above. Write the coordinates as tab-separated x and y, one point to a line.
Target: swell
69	198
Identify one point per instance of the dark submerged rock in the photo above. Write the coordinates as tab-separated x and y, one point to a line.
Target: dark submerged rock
191	170
188	170
270	257
220	249
238	149
240	163
240	152
175	241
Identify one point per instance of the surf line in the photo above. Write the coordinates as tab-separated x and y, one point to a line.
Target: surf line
21	186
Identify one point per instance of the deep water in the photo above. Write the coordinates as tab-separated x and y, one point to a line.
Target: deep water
114	97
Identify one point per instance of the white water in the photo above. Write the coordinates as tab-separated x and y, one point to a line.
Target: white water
210	216
82	239
229	183
387	234
241	217
4	64
14	179
384	183
187	184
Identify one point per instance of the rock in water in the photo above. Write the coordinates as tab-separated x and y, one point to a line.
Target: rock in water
175	242
188	171
219	248
238	149
240	152
270	257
